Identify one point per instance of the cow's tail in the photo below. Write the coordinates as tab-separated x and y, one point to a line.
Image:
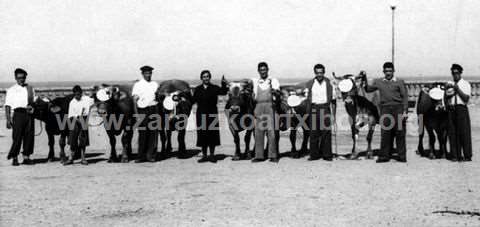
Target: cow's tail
41	129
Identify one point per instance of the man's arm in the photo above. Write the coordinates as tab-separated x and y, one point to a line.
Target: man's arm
464	95
8	117
224	87
404	93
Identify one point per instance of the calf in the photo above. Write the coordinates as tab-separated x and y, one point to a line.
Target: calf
239	111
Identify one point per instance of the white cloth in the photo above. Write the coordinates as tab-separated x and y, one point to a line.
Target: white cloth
145	91
319	92
80	107
466	88
259	83
17	97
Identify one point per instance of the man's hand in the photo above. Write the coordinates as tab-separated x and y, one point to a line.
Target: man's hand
455	87
224	81
9	124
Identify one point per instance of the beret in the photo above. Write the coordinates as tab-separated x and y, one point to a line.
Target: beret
146	68
457	67
20	71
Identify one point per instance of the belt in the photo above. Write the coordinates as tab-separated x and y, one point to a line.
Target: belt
20	110
321	105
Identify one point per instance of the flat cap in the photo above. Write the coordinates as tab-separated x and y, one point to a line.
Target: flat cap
146	68
20	71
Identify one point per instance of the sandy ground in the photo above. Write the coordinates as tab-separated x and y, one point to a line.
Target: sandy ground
294	192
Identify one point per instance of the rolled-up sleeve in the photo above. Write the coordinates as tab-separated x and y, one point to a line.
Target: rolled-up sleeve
275	84
8	99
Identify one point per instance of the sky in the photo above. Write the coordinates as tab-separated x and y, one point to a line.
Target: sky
65	40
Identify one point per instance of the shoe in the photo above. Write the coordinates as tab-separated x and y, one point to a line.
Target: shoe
151	160
69	162
203	159
467	160
84	162
401	160
236	158
212	159
312	158
453	160
140	160
329	159
382	160
274	160
15	162
257	160
27	161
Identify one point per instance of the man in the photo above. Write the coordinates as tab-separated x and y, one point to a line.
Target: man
321	102
78	111
19	98
393	112
459	130
266	91
144	96
208	128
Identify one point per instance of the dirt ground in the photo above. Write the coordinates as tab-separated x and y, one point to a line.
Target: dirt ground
294	192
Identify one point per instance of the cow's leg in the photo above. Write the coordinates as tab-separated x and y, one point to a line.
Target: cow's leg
126	145
354	130
236	140
169	141
248	137
163	139
113	142
181	141
62	143
51	144
421	133
431	143
443	143
371	130
304	148
293	141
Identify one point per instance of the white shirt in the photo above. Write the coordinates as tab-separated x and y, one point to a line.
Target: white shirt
319	92
466	88
80	107
17	97
145	92
264	84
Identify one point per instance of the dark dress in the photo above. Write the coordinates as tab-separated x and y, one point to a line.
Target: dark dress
208	130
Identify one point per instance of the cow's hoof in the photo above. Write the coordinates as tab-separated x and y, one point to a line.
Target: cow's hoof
112	160
354	156
369	155
431	156
295	155
125	160
236	158
51	159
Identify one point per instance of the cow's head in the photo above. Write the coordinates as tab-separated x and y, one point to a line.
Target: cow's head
239	96
293	98
107	96
44	106
348	85
438	95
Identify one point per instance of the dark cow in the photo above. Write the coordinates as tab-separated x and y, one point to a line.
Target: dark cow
432	116
54	113
294	109
115	106
362	110
239	111
175	105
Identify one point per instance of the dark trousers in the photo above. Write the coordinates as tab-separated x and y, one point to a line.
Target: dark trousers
321	131
393	128
23	132
147	137
459	132
78	136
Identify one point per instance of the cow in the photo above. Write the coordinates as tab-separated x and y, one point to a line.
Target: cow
115	105
175	105
432	116
362	108
292	106
54	113
239	112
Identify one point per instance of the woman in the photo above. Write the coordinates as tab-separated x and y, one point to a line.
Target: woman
208	131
